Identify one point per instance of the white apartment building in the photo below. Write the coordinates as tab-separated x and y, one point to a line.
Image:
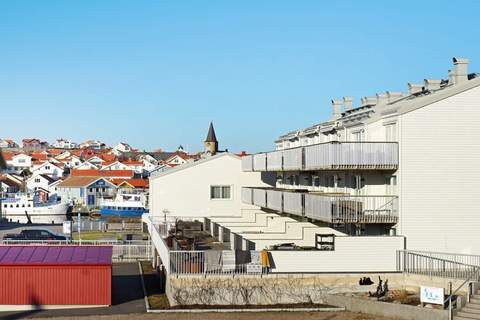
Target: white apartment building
398	163
64	144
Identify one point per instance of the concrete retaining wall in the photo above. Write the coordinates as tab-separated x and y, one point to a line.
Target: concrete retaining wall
398	311
267	290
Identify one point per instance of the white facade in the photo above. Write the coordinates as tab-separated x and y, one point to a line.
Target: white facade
48	168
40	181
121	148
436	127
117	165
186	190
20	162
64	144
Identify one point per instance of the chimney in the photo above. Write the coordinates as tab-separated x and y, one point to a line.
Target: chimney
368	101
414	88
451	77
394	96
382	98
337	108
432	85
460	70
371	101
348	103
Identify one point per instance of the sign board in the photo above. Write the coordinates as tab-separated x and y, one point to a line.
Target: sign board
67	228
432	295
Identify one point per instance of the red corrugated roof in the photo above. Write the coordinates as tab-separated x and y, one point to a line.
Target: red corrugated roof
55	255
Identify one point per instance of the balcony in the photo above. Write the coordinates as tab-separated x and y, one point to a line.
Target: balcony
330	208
327	156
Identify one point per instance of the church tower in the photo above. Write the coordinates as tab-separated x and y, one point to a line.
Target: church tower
211	143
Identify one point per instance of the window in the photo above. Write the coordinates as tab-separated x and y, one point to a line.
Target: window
391	132
37	180
358	136
220	192
325	242
21	160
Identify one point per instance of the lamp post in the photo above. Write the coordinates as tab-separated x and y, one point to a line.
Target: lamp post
3	166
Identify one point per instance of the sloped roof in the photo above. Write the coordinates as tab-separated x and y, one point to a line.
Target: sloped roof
192	164
55	255
211	137
101	173
77	182
136	183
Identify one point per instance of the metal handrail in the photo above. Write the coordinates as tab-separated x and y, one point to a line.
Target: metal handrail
475	274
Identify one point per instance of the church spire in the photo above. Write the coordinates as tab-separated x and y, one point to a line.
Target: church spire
211	134
211	143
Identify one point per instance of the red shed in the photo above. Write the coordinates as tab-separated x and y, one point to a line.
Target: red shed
56	275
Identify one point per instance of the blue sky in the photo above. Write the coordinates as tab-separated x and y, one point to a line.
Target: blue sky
155	73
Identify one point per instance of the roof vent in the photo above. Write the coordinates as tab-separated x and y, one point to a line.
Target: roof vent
337	108
432	85
460	70
348	103
394	96
368	101
414	88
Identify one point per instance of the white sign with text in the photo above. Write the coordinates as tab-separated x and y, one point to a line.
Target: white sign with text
431	295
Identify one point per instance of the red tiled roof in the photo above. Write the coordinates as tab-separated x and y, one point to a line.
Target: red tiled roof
7	156
136	183
132	163
101	173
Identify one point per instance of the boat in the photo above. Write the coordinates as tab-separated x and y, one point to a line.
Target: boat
27	208
125	205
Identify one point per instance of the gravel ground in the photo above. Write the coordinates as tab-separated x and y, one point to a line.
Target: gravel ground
235	316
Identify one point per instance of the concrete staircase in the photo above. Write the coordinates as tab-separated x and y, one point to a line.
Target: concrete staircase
471	310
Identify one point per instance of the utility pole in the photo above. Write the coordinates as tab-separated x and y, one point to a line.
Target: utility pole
3	166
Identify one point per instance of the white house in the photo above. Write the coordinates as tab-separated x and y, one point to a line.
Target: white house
96	161
116	165
64	144
205	188
19	162
122	147
42	181
148	166
72	162
48	168
94	144
86	166
400	162
8	143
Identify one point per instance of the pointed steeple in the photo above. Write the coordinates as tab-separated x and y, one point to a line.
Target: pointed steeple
211	143
211	134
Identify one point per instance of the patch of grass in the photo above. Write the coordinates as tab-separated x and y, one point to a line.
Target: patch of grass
155	293
96	235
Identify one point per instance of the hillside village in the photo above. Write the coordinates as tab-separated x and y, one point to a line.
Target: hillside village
64	167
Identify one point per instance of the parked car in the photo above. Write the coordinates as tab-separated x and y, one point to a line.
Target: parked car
34	234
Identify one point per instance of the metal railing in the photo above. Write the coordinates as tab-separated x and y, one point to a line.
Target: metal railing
444	265
324	156
211	263
352	208
437	264
327	207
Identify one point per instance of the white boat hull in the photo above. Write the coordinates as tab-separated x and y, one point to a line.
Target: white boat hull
52	214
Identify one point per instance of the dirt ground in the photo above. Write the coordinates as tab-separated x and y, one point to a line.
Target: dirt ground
235	316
